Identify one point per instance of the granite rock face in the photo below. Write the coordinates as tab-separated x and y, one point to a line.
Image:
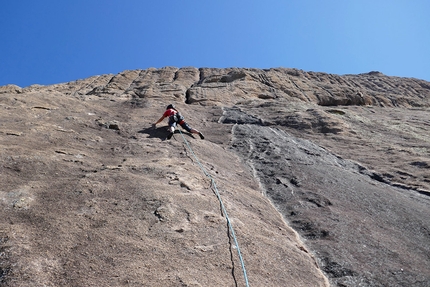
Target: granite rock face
325	179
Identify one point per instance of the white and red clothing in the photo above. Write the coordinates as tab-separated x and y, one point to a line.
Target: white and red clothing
170	113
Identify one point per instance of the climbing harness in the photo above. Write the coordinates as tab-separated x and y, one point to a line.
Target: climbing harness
224	211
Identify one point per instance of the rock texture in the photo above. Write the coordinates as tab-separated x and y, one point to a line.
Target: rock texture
325	179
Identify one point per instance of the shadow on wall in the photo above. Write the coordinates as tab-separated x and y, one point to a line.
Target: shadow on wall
161	132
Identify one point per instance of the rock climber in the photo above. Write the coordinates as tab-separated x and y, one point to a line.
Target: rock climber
176	118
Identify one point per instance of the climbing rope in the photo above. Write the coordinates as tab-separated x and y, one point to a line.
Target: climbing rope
224	211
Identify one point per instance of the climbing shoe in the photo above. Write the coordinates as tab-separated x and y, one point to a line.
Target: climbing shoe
169	136
201	136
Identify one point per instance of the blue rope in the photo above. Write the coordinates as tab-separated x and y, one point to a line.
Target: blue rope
224	211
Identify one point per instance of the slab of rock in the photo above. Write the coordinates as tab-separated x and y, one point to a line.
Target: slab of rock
325	179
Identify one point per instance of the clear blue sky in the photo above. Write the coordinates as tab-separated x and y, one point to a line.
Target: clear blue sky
55	41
